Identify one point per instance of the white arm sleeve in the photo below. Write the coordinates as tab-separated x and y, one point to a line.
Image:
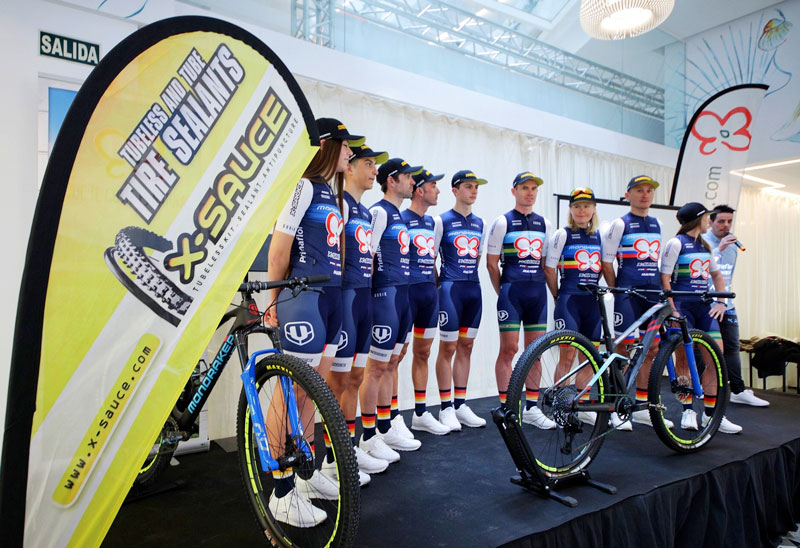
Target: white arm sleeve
556	248
295	209
378	226
670	256
714	266
548	234
438	230
613	238
482	245
494	243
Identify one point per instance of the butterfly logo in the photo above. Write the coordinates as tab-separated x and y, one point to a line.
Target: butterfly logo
466	246
731	130
698	268
333	224
528	248
404	239
588	261
424	245
646	249
363	237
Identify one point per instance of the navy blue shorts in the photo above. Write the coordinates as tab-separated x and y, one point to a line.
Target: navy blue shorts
579	313
460	308
355	337
522	303
391	321
697	316
310	323
423	303
627	309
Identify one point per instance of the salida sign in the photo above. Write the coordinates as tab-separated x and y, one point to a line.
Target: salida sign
71	49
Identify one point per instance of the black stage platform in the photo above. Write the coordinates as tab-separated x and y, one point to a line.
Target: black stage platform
741	490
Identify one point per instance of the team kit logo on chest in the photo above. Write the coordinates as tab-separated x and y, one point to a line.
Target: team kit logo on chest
646	249
588	260
527	247
363	237
333	225
466	246
698	268
404	239
424	245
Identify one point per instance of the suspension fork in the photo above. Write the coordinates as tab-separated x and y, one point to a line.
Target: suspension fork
688	350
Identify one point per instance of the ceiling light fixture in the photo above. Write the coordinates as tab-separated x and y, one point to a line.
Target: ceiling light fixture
618	19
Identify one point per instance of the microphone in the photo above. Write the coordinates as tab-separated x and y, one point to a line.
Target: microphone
739	245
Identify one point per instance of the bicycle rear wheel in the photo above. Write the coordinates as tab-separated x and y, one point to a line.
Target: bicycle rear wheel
696	420
321	416
567	360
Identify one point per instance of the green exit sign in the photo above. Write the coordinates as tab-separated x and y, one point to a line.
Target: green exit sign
70	49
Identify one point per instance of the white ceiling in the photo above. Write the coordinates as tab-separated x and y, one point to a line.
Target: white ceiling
784	178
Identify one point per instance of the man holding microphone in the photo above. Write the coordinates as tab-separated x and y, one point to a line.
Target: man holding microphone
724	248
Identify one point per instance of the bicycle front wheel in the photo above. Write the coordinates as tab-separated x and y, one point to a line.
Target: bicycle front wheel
309	514
672	392
545	394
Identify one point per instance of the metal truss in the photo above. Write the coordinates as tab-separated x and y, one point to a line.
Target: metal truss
459	30
312	20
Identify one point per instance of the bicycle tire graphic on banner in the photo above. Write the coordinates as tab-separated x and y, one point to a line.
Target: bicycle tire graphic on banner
171	166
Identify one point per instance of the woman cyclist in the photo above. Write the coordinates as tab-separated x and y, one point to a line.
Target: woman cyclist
686	265
306	243
575	250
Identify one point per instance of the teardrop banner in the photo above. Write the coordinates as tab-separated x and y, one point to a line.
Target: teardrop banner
170	168
715	147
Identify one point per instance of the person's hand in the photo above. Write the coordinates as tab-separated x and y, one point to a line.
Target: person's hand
726	241
271	317
717	310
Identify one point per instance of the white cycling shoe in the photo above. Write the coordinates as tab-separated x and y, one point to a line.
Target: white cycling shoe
296	510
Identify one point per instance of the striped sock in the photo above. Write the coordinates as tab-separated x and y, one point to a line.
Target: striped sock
502	395
461	396
395	409
367	425
444	397
531	397
328	450
284	482
641	395
351	427
710	403
419	403
384	418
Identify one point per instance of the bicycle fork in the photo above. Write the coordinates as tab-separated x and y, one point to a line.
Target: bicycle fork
268	463
686	341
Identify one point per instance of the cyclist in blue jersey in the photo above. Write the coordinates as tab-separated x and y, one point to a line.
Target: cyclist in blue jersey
518	240
423	296
390	314
458	235
576	251
725	248
686	265
306	242
634	240
347	371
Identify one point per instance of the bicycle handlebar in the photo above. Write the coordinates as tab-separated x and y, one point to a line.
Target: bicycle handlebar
305	281
662	293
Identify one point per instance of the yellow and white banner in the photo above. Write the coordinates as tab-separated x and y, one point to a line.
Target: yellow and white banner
183	146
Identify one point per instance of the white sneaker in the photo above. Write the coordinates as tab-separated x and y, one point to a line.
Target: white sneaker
318	486
369	464
448	418
689	419
296	510
619	424
535	417
329	469
725	426
399	425
587	417
467	417
398	442
643	417
747	397
375	447
427	423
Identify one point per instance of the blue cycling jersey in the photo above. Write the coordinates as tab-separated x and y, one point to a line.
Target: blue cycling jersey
692	269
358	242
637	251
390	242
422	257
579	261
460	246
312	217
522	248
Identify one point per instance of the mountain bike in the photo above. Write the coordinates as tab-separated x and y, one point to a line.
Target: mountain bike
283	407
580	387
